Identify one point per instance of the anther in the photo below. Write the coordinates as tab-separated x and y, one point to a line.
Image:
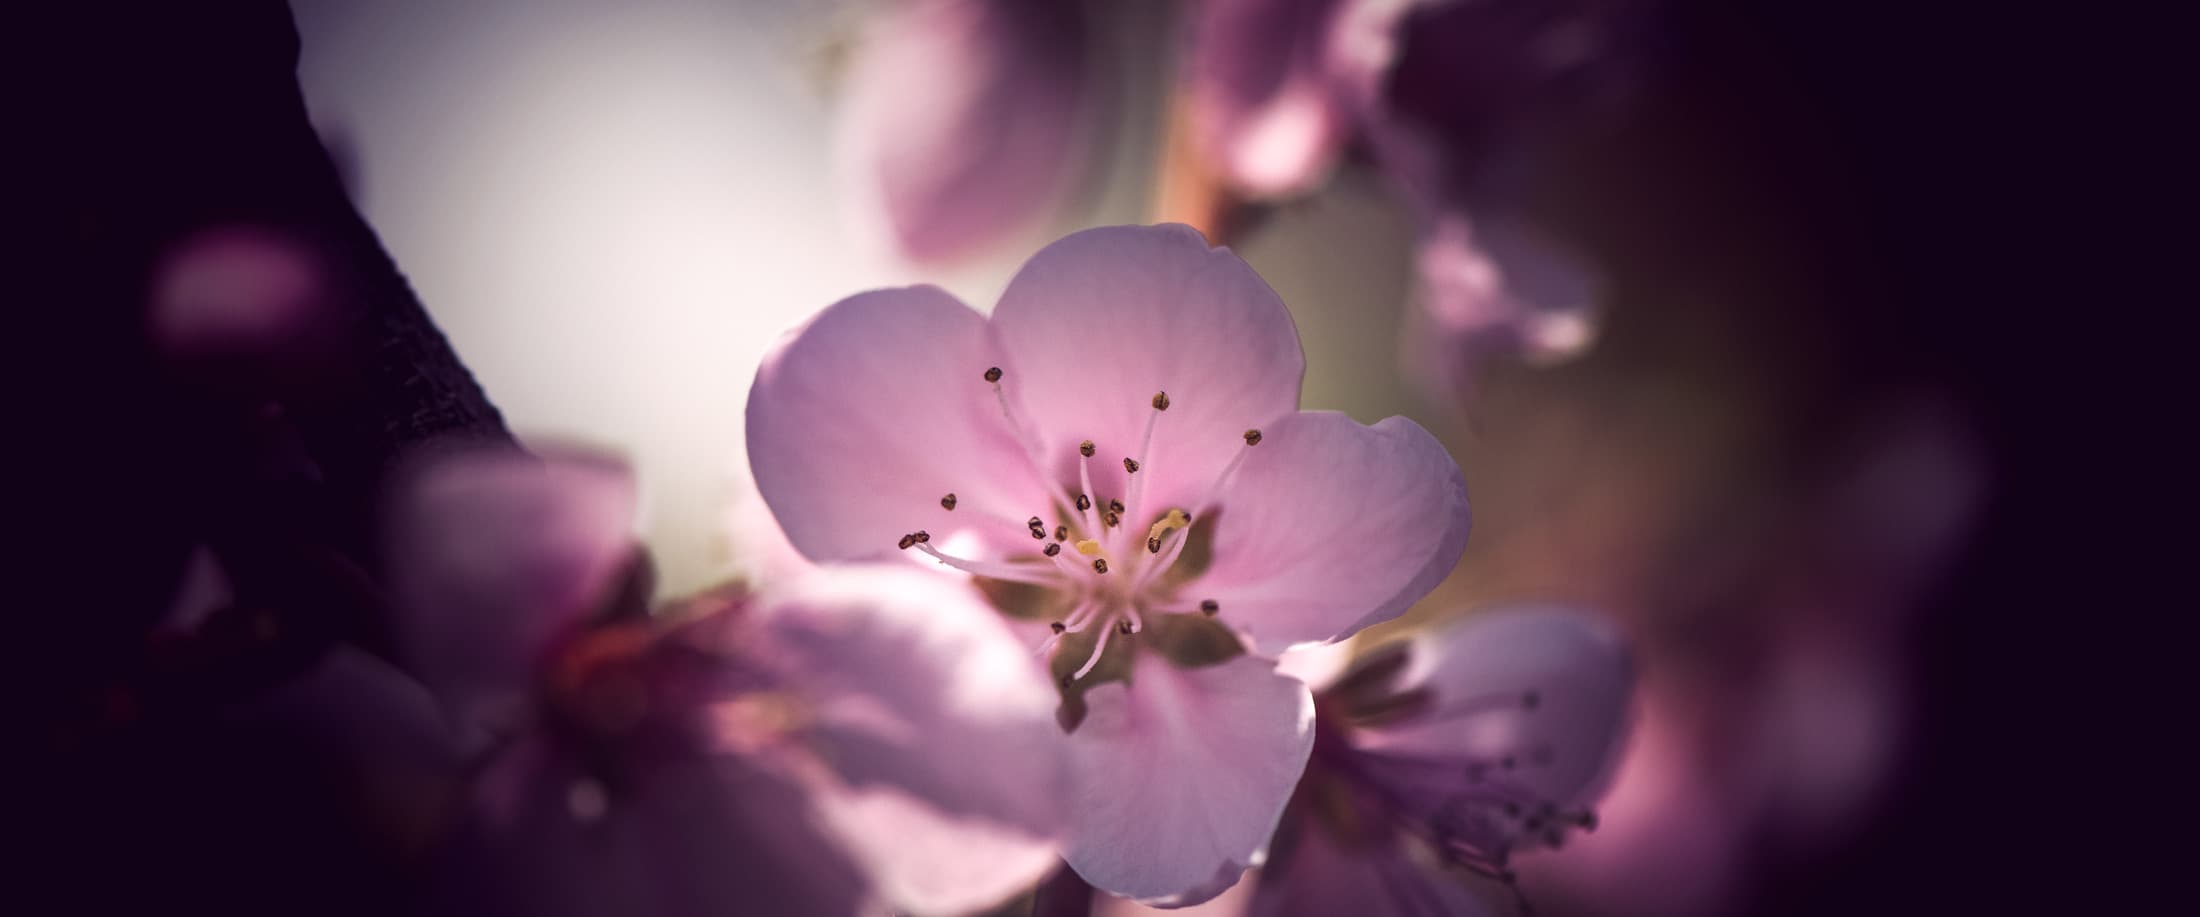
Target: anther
1059	627
1053	549
1085	448
1153	545
947	502
921	536
1161	401
1209	606
1099	565
1123	626
1252	437
906	542
1083	503
1034	522
1061	533
1038	534
1113	518
1130	465
1115	506
993	374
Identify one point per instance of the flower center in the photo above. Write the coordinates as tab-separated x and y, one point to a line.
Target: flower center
1105	555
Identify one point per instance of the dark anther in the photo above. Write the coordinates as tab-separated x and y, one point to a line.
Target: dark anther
1153	545
922	536
1115	505
1130	465
1099	565
1112	518
1085	448
993	374
1038	534
1209	606
907	541
1161	401
1034	522
1059	627
947	502
1123	626
1529	700
1061	533
1053	549
1083	503
1252	437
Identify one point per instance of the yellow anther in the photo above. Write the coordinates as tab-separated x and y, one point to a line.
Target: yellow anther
1088	547
1175	519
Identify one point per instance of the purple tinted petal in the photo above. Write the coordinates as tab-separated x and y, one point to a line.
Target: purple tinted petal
965	120
1331	526
1097	323
1493	293
936	725
1549	688
861	421
1180	775
493	555
1270	105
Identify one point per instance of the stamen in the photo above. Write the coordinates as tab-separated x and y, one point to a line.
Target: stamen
921	536
1123	625
1161	401
1209	607
1130	465
1034	522
1113	518
1052	549
1083	503
1098	647
1145	453
999	571
1059	627
1061	533
1099	565
1153	545
1176	548
906	541
1086	448
1252	437
993	374
948	502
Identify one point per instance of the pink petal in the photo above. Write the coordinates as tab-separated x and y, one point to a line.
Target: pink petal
1316	874
1331	526
493	555
1180	775
1565	743
1097	323
1497	291
861	421
965	120
944	769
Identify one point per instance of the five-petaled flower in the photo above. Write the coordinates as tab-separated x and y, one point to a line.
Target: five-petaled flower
1118	455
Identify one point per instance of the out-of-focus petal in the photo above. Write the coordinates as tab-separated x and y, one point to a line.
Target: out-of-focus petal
1097	323
1315	874
863	420
1331	526
493	555
1266	107
1501	292
936	726
1180	775
1481	672
690	837
965	120
237	291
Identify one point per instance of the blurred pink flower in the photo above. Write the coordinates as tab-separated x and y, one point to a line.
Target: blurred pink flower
1442	757
1120	447
964	121
821	745
1433	91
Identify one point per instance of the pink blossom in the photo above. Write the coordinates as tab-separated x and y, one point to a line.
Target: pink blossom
1118	456
1441	758
818	745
